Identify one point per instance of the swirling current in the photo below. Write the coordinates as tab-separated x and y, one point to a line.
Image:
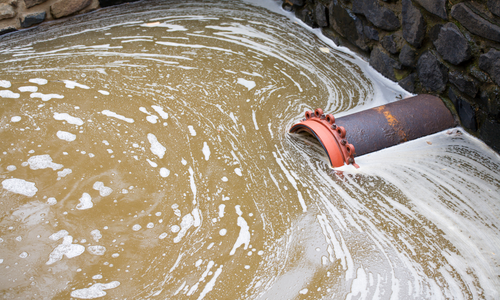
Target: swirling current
145	155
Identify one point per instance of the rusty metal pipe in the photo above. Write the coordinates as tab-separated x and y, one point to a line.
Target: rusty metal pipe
377	128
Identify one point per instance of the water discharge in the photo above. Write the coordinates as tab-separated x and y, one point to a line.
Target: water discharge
145	155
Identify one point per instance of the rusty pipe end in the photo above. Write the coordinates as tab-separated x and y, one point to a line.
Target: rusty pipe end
331	137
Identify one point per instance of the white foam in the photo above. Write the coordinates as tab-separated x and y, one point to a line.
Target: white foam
31	89
67	248
96	235
244	235
15	119
156	147
191	130
171	27
136	227
103	92
98	276
9	94
192	183
255	120
210	285
94	291
246	83
11	168
20	186
238	172
39	81
222	232
197	217
160	111
164	172
359	286
115	115
163	235
72	84
52	201
103	190
70	119
152	119
152	163
96	250
206	150
221	210
85	202
175	228
66	136
224	179
186	223
64	173
43	162
46	97
5	84
58	235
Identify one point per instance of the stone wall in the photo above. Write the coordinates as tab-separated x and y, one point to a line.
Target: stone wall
446	48
19	14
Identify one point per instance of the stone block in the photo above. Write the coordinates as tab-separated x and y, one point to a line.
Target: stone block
414	25
306	16
7	29
31	3
321	15
408	83
494	7
433	75
380	16
389	44
32	19
452	94
463	83
7	11
297	2
434	32
489	100
63	8
371	33
489	134
479	75
407	56
347	25
467	114
286	6
12	3
490	63
384	64
435	7
452	45
475	23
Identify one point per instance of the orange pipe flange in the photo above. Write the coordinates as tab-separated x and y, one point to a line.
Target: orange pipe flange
331	137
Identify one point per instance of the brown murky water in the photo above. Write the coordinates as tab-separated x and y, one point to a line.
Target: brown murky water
145	155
